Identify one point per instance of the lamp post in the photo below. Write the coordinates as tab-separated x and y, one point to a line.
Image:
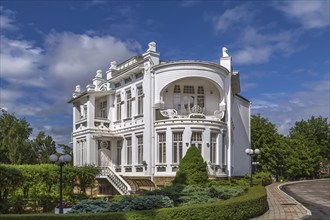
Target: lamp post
63	159
252	153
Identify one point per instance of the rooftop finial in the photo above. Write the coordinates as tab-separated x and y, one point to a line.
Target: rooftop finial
152	47
225	52
78	89
98	74
113	65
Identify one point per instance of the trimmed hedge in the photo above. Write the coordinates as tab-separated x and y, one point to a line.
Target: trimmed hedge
250	205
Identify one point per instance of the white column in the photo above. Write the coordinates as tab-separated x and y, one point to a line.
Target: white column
90	111
219	149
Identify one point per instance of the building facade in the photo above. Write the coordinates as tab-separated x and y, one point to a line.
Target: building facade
138	120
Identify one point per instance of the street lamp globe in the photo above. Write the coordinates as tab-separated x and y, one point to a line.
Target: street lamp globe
53	158
248	151
257	151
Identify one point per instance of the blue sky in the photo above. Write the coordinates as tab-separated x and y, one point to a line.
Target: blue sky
280	48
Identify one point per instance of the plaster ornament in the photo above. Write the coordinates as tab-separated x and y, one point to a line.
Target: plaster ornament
225	52
113	65
78	89
98	74
152	47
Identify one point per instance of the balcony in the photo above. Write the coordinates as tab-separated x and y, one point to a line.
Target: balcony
101	123
194	113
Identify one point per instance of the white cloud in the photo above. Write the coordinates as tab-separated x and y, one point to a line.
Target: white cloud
189	3
72	57
310	14
251	55
285	109
20	62
257	47
7	19
240	14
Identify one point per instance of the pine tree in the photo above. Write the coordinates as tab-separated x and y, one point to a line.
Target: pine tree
192	168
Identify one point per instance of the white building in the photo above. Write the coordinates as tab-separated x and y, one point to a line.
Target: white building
138	120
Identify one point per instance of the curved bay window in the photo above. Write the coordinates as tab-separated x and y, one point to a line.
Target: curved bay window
185	99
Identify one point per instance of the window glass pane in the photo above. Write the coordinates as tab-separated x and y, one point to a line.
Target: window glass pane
200	90
129	150
177	89
177	147
189	90
162	148
177	102
140	149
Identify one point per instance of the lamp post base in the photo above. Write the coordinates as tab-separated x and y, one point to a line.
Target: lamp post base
65	210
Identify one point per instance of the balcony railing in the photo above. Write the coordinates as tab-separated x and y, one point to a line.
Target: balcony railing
196	112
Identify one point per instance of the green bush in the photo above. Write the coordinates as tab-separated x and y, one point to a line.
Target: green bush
192	168
250	205
263	178
260	178
87	206
142	203
125	205
173	191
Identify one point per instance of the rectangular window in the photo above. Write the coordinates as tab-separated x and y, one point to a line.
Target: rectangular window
188	90
140	100
129	151
223	152
117	85
140	149
85	112
177	147
119	152
103	109
200	101
128	104
138	75
118	107
127	80
177	102
196	139
162	148
213	144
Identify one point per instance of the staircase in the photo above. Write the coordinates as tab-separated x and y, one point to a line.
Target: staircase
116	180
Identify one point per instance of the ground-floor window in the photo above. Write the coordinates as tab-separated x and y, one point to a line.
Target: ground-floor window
213	144
119	152
129	150
140	149
196	139
177	147
162	148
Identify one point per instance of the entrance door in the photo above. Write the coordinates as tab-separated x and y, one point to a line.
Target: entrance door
104	154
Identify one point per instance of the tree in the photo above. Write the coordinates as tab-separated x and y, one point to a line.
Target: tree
301	159
315	131
43	146
15	146
264	136
192	168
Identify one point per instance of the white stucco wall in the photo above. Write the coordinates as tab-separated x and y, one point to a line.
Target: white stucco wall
240	136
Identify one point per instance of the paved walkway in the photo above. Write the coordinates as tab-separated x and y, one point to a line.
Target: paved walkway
282	206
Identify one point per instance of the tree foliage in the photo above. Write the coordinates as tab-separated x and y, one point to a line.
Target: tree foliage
16	145
43	147
14	140
265	137
295	156
192	168
316	132
40	184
